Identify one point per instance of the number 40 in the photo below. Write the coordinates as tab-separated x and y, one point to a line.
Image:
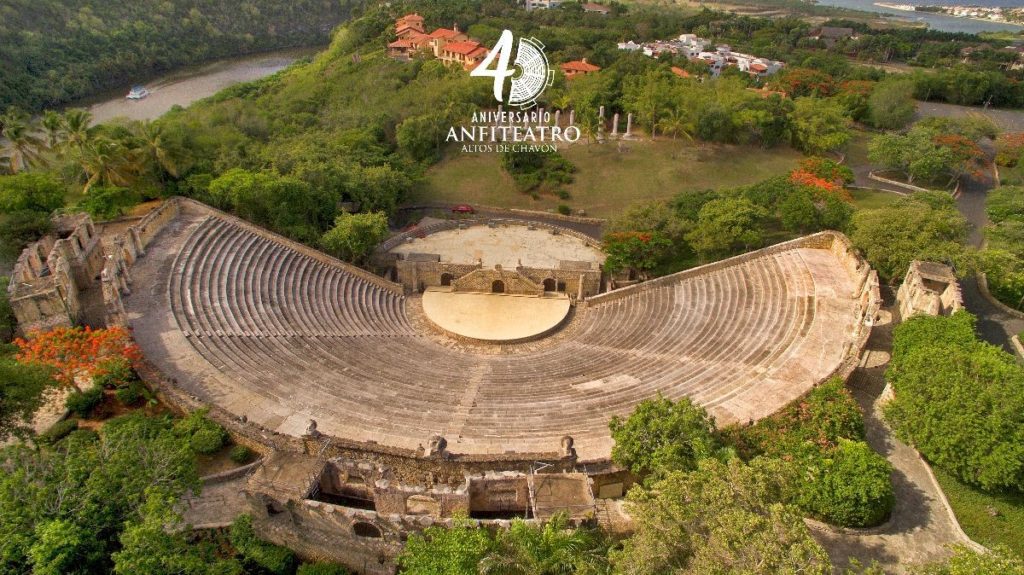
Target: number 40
503	52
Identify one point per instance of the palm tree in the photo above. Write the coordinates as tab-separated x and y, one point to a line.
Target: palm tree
107	162
154	150
561	101
676	124
75	129
24	146
52	123
549	550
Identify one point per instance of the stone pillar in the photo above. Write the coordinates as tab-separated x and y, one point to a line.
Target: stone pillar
615	124
600	112
558	117
572	117
629	125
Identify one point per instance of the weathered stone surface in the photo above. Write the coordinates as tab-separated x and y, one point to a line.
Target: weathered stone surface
257	325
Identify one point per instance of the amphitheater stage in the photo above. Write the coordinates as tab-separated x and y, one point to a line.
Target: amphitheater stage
258	326
494	317
507	245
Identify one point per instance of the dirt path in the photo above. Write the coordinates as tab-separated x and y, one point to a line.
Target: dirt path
922	526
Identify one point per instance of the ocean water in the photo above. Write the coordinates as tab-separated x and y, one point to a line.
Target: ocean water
936	21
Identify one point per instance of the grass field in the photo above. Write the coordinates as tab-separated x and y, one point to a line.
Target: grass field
971	507
873	199
609	178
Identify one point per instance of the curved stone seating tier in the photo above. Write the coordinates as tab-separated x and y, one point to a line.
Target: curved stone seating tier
268	330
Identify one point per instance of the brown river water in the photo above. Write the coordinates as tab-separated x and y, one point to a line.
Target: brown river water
186	85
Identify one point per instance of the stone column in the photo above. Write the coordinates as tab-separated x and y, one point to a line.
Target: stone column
629	125
572	117
600	112
558	117
615	124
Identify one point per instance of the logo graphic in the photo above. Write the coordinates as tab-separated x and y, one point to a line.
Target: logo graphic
534	73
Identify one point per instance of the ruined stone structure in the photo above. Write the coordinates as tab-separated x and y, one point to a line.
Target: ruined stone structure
373	426
50	274
929	288
418	271
56	278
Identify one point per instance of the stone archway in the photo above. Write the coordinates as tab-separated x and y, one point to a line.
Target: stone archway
549	284
497	286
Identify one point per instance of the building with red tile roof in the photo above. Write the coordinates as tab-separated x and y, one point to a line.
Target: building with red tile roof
578	68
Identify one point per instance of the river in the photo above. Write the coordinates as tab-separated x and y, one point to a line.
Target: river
940	22
188	84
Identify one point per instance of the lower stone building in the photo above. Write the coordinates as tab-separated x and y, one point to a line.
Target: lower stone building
929	288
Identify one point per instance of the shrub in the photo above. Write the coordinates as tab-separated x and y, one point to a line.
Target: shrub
564	209
563	194
82	403
131	394
273	558
58	431
662	435
114	372
203	435
962	407
827	414
321	569
208	440
849	485
241	454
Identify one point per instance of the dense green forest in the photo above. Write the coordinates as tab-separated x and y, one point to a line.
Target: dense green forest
54	51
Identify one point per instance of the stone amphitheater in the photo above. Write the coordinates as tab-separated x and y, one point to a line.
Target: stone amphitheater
278	334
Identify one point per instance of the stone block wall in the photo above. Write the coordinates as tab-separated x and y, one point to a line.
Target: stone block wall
929	288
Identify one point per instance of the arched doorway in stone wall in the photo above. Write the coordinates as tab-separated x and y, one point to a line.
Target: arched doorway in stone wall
549	284
446	279
498	286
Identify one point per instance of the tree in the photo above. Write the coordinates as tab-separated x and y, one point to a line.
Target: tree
925	226
159	156
1003	203
848	485
446	551
662	435
640	251
891	104
63	510
24	147
551	549
158	544
798	212
37	192
917	154
819	125
21	394
267	557
961	404
354	236
650	97
73	352
719	519
965	561
107	162
724	225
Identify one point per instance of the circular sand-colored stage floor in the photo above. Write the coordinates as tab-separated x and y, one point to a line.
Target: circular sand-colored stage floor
265	328
494	317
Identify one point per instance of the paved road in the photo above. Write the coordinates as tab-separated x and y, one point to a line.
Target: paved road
921	526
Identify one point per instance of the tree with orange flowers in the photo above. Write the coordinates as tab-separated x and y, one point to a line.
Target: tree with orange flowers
77	352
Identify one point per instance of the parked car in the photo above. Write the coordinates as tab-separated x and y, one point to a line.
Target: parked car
463	209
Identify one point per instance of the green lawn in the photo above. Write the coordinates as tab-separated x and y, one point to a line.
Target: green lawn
971	508
1011	176
873	199
609	179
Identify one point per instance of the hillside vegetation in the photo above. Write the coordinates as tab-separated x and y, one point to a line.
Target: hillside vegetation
54	51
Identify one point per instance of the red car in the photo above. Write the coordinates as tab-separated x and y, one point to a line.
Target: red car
463	209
